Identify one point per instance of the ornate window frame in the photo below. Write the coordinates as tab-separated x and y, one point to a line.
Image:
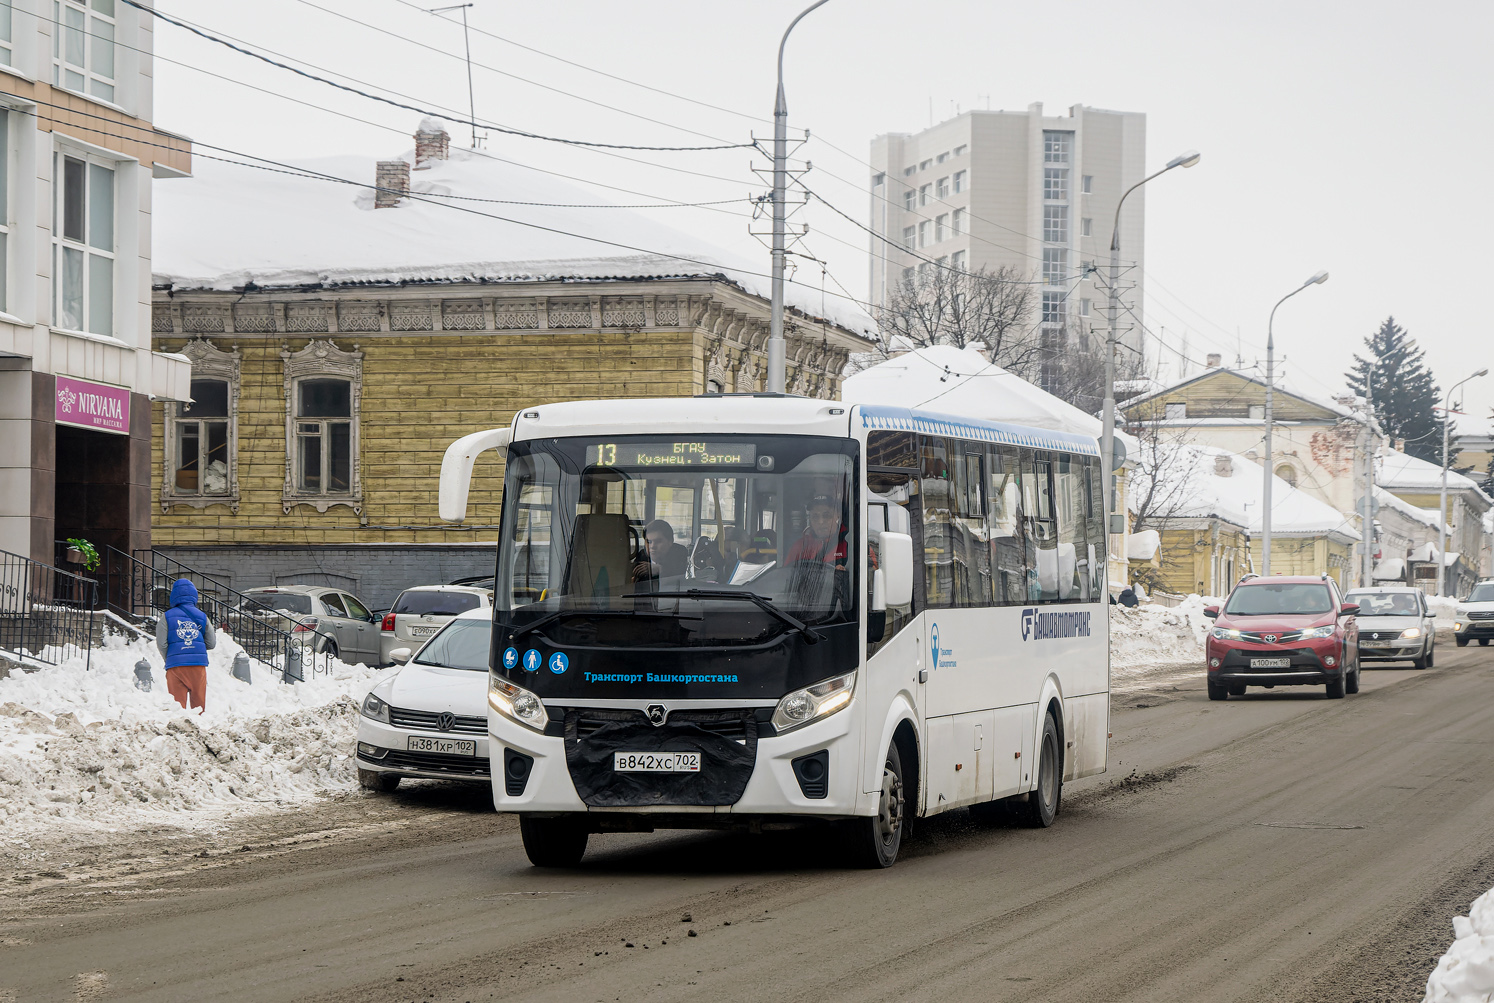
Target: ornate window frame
322	358
208	363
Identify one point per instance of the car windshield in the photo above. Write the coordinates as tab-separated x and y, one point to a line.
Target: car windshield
436	603
588	523
1279	598
462	644
1482	592
1385	603
284	602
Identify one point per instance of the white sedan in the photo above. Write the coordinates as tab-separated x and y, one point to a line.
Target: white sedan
430	719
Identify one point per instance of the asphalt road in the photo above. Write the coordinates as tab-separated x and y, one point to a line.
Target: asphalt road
1273	847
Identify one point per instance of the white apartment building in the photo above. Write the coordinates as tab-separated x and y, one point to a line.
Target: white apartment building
77	374
1037	192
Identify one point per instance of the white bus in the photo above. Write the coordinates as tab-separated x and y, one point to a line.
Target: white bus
757	611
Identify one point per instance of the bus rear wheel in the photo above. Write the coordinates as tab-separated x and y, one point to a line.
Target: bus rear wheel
874	842
1041	806
553	842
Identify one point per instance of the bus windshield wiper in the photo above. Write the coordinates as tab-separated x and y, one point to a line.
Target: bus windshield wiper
811	636
561	614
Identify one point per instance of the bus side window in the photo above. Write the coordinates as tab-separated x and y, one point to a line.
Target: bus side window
970	556
1095	522
936	485
886	511
1005	533
1042	533
1073	543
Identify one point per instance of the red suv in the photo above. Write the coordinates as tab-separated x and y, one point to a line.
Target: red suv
1283	631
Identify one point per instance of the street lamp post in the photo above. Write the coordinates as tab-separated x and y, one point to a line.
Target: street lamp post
777	353
1107	437
1317	279
1442	509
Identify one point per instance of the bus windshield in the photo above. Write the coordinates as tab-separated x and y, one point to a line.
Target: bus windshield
600	526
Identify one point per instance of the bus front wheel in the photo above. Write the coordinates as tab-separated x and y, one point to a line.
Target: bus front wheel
553	842
874	841
1041	806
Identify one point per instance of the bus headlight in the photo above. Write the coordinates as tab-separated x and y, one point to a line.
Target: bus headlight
813	702
517	704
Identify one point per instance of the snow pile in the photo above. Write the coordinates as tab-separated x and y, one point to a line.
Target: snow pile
1444	609
1465	974
84	747
1152	635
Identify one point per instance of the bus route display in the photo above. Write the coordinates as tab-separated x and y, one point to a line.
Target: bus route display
679	453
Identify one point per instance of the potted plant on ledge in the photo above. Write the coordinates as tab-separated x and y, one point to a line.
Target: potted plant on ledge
80	551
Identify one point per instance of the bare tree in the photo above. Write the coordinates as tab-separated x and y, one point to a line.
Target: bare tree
938	305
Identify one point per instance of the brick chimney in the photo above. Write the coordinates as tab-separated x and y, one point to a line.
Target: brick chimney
431	143
1212	360
1224	465
391	182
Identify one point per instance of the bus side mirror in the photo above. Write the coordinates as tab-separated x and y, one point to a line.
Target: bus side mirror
897	569
879	592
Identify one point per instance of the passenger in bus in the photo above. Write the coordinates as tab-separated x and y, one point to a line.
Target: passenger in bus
666	559
824	539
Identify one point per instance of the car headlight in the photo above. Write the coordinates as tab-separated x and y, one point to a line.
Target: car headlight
1458	625
1225	634
813	702
1318	632
1410	632
375	709
517	704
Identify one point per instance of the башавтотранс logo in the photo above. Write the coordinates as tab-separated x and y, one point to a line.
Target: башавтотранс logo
1059	623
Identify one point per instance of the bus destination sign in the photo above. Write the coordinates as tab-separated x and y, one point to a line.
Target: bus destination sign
694	453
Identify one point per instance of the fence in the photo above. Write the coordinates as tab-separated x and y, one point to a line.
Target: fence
46	614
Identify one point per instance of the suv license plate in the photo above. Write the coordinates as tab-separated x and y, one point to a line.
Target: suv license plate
656	762
445	746
1270	663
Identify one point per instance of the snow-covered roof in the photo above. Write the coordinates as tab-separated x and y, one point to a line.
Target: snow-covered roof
963	382
1280	386
1417	514
1403	472
1196	487
229	226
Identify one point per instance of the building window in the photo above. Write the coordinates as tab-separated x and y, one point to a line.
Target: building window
941	158
941	188
323	389
957	221
1055	265
83	46
959	181
1056	147
908	171
923	233
1086	227
925	165
923	270
1174	412
1056	224
1053	308
1056	184
5	192
878	180
1287	473
941	227
942	261
201	443
1089	183
83	244
910	236
910	200
6	38
957	260
923	194
1084	308
908	274
959	151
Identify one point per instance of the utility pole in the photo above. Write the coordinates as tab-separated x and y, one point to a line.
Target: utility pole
777	350
1368	529
467	41
1442	509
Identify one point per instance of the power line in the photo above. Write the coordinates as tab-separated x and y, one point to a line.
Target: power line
422	111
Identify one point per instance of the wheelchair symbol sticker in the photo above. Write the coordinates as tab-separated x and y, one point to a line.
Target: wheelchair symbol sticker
510	657
531	660
559	663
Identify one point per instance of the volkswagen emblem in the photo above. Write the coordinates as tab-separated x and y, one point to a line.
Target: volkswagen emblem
657	715
445	721
1269	638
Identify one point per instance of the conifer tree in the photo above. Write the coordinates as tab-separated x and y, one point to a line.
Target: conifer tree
1405	396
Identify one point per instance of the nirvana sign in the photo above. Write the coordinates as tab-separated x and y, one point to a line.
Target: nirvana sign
92	405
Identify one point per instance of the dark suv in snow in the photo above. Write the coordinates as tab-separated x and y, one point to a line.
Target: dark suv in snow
1283	631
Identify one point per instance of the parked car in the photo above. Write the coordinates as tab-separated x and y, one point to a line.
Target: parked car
1474	619
345	627
1394	625
421	611
1283	631
430	719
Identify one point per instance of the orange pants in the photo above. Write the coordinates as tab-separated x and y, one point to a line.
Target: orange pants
188	684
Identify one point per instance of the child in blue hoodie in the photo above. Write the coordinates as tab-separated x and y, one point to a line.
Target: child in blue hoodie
184	634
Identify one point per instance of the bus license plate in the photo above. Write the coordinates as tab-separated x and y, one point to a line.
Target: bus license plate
656	762
1270	663
445	746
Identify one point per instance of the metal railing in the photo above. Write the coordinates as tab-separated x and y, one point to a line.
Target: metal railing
137	587
46	614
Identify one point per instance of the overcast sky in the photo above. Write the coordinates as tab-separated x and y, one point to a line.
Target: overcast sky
1335	136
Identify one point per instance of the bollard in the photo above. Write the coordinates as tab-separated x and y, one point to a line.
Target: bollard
292	673
142	675
241	667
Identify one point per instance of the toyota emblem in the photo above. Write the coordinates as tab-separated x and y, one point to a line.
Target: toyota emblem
1270	638
445	721
657	715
